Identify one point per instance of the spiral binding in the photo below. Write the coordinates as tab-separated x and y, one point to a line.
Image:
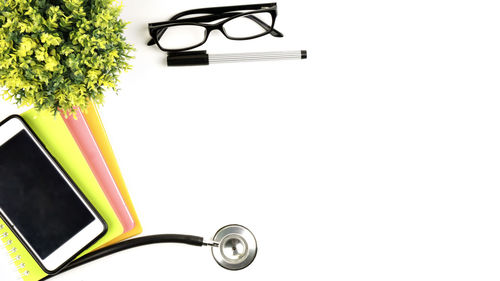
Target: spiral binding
11	250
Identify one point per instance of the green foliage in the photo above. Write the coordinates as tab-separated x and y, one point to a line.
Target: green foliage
59	54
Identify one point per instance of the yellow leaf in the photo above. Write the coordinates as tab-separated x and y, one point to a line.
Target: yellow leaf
50	40
51	64
25	47
40	54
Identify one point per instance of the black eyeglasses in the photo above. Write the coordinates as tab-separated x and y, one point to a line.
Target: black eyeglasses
242	22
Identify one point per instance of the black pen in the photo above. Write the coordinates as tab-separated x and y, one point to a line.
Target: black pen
202	58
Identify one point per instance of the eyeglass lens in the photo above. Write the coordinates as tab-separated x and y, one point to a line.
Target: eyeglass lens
182	36
249	25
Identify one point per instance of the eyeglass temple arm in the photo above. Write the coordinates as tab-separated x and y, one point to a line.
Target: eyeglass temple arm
274	32
219	10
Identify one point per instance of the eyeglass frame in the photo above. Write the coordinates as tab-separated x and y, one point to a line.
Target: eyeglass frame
157	29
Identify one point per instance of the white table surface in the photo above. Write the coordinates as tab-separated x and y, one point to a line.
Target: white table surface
377	158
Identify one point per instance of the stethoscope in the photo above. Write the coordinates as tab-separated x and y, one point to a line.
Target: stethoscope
234	247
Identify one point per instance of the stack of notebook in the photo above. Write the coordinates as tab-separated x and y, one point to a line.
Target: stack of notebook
82	148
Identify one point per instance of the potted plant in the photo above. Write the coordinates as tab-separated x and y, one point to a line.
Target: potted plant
60	54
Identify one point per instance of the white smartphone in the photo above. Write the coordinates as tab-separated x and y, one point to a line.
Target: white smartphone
40	202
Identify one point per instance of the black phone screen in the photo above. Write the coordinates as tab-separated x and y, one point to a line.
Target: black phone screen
36	198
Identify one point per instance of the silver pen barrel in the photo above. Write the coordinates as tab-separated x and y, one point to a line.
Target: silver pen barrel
259	56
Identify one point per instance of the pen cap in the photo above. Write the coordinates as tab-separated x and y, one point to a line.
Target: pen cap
187	58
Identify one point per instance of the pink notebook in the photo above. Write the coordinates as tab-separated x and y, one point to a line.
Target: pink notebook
90	150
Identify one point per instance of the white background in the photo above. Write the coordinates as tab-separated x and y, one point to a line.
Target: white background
376	159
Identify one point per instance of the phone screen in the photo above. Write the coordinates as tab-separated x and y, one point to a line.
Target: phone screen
36	198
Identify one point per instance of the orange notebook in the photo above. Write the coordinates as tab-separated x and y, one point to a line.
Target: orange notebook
94	122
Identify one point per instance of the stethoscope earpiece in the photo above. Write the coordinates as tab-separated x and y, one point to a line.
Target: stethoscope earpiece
235	247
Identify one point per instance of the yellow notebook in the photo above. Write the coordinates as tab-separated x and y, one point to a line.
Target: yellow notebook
58	140
95	124
26	266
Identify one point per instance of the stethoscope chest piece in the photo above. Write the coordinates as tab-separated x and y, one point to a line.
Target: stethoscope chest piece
237	247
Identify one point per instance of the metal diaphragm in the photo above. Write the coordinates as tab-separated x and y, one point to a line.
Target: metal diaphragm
237	247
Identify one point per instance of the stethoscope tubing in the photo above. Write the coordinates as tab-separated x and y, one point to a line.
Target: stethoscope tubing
129	244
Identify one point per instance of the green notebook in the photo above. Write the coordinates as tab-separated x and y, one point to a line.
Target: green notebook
58	140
